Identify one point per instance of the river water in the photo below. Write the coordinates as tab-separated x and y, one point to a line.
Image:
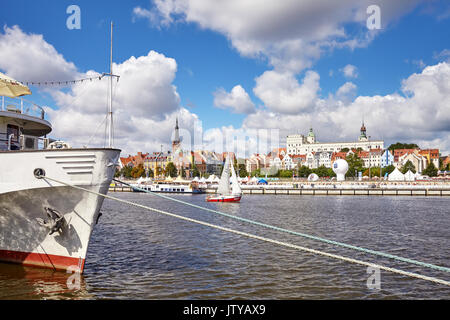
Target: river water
138	254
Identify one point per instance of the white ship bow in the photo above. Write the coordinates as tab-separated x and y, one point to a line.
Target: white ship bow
29	206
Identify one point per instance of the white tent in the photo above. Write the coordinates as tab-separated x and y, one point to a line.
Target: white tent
409	176
180	179
396	175
196	179
216	179
313	177
202	180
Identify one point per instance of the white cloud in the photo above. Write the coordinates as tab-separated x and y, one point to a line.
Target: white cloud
243	141
145	105
28	57
346	92
238	100
443	55
291	34
419	63
419	114
349	71
281	92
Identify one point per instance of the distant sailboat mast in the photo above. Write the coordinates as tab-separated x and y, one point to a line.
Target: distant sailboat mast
235	188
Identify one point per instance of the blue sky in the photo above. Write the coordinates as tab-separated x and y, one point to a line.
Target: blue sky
211	56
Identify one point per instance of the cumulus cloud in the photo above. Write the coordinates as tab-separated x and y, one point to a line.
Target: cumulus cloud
281	92
145	102
238	100
28	57
243	141
145	105
346	92
350	71
291	34
418	113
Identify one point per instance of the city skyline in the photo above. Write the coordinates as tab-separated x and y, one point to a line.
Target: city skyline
231	70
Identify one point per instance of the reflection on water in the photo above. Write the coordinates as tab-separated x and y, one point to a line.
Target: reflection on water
18	282
137	254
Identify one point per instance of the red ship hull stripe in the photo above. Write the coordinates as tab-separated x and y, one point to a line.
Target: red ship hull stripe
224	200
41	260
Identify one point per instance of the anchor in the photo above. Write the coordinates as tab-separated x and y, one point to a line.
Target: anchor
55	222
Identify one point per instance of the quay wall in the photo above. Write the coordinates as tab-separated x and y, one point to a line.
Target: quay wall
329	192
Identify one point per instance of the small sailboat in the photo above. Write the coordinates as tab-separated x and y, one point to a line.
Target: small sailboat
229	189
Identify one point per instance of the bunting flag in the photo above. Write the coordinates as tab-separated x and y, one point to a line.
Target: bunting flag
67	82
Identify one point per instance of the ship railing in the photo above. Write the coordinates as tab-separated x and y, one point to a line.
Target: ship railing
23	142
22	106
9	141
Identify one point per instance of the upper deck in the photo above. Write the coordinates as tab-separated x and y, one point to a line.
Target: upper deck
29	116
22	124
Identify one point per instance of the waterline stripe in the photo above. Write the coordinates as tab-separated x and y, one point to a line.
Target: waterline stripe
304	235
406	273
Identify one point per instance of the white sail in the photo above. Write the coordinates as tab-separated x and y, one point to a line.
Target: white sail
235	187
224	183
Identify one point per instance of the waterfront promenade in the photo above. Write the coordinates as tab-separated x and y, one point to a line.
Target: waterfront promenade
302	187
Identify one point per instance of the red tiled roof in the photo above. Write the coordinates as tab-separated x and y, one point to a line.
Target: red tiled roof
434	153
363	154
338	155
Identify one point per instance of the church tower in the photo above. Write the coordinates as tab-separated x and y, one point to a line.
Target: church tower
363	136
176	141
311	138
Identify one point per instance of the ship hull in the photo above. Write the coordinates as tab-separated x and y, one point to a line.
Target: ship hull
25	203
166	189
223	199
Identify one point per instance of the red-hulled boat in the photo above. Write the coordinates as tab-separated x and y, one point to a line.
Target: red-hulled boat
228	190
218	198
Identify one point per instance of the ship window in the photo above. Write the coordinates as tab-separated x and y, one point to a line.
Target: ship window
14	130
29	143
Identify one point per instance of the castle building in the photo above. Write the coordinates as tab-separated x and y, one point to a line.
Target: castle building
299	144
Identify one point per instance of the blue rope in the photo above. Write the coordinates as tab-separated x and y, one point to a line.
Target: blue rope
304	235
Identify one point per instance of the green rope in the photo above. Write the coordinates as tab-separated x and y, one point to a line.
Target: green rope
304	235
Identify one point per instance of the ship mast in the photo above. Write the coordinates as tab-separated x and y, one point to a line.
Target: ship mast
109	123
110	113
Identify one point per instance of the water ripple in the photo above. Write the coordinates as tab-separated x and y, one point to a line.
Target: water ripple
136	254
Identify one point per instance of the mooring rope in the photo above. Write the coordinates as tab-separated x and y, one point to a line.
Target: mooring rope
245	234
304	235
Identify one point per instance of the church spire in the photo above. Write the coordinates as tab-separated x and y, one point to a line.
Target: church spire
176	140
177	133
